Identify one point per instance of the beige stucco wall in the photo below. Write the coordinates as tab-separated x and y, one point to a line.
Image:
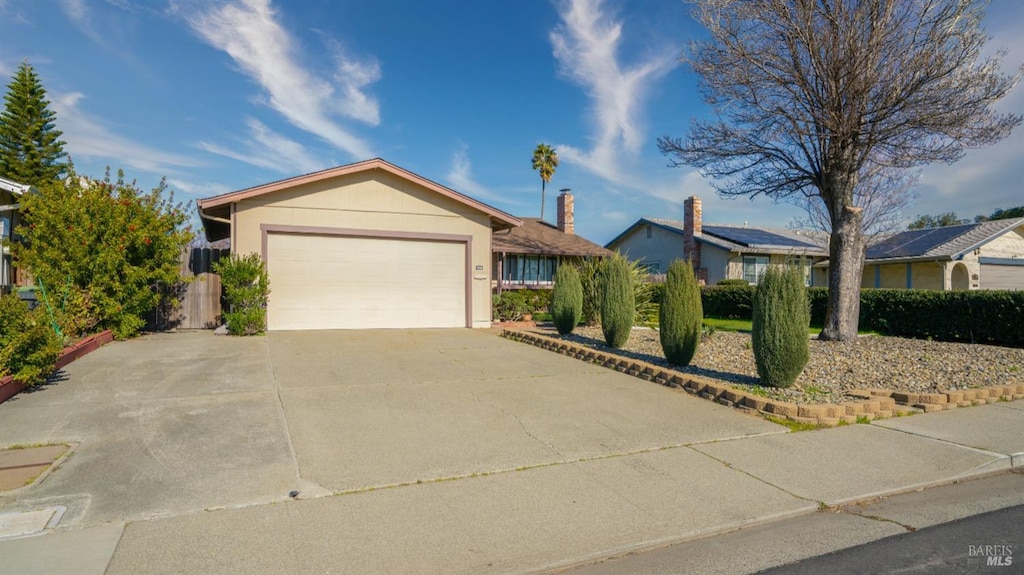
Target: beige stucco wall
1008	245
662	247
373	200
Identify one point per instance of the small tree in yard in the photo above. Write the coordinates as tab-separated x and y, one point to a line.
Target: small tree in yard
618	307
567	299
246	289
681	314
105	244
779	334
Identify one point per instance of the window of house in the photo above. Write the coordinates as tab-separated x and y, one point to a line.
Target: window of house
803	264
754	267
528	269
648	232
651	268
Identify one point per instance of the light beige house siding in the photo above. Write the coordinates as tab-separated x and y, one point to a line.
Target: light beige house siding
1009	245
371	200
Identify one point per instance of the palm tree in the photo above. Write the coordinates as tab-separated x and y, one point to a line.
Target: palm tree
545	159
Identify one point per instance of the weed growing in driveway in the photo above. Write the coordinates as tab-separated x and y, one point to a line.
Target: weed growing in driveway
795	425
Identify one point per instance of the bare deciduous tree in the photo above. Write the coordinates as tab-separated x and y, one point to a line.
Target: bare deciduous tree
882	193
808	94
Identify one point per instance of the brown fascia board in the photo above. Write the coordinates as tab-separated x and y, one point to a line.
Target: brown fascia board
504	220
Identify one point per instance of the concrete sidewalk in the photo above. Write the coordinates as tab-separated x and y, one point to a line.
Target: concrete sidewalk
465	467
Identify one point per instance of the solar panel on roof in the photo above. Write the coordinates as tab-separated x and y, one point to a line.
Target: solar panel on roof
755	237
915	242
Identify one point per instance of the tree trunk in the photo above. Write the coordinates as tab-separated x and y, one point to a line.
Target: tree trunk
542	185
846	266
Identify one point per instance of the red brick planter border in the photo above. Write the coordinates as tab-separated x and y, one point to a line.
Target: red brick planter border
9	387
866	404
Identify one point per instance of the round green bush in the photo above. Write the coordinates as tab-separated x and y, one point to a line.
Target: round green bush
779	335
567	299
681	314
618	305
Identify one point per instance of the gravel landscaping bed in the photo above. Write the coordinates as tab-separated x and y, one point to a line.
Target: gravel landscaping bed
879	362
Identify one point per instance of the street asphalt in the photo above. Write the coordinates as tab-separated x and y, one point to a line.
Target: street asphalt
425	451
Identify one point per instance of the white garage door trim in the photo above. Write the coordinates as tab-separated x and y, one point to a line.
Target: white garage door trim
1002	273
465	240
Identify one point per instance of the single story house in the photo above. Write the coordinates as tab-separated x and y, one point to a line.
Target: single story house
985	255
719	252
10	192
366	245
527	256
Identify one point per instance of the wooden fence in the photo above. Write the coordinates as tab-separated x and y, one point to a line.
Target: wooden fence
200	298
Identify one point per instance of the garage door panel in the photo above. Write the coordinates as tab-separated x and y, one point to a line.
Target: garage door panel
337	282
1001	276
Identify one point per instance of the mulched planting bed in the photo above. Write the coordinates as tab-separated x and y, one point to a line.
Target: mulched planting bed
834	369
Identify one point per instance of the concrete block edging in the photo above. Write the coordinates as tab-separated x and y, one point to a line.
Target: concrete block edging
866	404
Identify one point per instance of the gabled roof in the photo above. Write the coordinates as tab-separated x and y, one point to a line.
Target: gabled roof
215	210
539	237
944	243
740	238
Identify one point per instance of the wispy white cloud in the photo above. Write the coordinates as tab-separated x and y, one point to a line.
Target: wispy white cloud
586	45
460	176
249	32
265	148
88	138
198	189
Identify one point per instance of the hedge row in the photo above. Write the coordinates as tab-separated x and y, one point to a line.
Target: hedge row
991	317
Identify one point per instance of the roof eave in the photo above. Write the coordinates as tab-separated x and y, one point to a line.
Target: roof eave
499	218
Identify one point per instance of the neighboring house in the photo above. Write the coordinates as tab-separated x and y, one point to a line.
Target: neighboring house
986	255
10	194
367	245
718	252
527	256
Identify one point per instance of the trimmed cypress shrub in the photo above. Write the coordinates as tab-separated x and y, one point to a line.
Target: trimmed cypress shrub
567	299
779	334
681	314
618	306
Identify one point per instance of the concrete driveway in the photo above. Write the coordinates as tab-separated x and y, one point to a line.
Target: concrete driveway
175	423
434	451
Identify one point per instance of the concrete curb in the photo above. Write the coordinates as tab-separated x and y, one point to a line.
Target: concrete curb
867	405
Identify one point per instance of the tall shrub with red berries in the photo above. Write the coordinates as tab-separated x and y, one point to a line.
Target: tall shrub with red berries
107	239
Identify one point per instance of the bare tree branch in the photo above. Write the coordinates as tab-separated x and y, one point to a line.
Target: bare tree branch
826	101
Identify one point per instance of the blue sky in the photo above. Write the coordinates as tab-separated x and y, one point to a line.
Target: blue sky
219	96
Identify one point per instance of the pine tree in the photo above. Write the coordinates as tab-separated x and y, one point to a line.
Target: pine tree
30	146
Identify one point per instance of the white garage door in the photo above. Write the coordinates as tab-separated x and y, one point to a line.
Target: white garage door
995	276
334	282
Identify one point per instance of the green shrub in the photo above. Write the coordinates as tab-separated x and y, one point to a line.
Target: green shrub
733	282
618	306
645	293
681	314
246	288
590	279
509	306
567	299
537	300
28	345
727	302
107	238
779	332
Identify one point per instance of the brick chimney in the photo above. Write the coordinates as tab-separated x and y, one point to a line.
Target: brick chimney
565	216
692	226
